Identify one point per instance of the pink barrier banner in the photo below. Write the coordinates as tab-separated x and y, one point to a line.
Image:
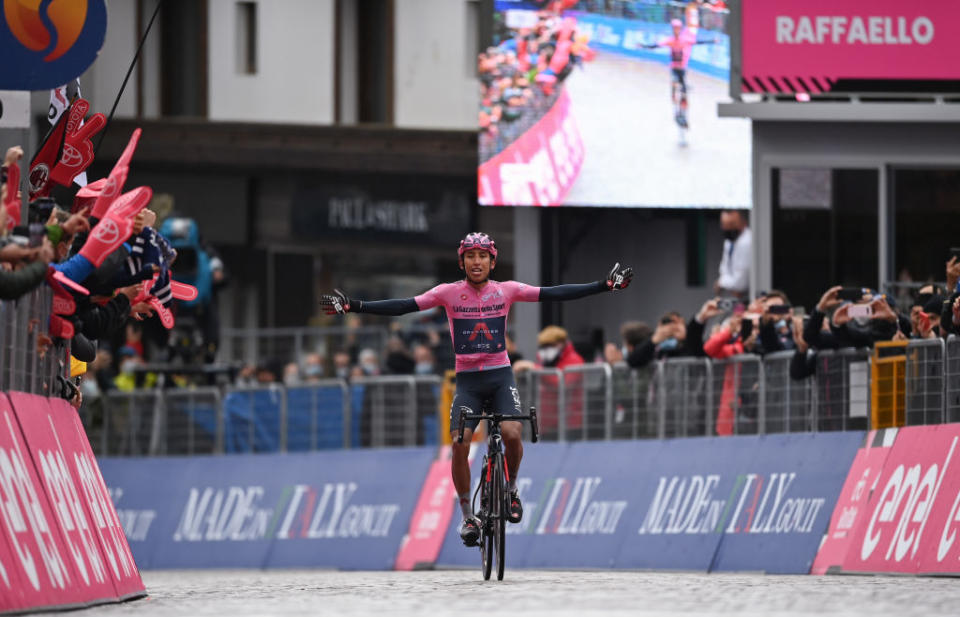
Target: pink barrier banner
431	516
538	168
38	570
854	497
95	496
807	45
911	521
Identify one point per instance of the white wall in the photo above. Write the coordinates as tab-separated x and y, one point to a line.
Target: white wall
101	82
435	85
294	79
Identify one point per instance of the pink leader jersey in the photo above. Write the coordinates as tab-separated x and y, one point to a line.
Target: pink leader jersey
478	319
680	48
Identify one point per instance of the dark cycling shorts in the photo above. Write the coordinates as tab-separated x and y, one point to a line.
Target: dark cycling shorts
492	391
681	76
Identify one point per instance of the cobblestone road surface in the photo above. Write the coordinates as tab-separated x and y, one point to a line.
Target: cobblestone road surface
624	113
525	592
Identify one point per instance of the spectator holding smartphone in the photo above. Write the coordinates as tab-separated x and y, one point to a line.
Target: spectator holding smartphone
776	324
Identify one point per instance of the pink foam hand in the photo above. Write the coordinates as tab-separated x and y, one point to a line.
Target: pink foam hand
116	225
144	295
12	202
62	278
62	303
117	178
131	203
182	291
166	317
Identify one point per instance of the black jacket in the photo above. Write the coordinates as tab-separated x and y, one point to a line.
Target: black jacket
19	282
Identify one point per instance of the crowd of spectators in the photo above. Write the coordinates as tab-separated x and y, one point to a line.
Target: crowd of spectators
519	78
104	261
102	257
424	352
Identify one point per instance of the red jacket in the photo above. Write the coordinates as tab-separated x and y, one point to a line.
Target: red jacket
573	390
719	346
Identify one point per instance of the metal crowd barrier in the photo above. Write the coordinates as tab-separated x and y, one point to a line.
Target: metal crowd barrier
681	397
327	414
29	360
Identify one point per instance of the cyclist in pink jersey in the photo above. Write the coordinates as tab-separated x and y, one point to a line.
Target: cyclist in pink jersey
477	310
680	46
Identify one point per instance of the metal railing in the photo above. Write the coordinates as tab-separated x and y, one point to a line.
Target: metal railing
328	414
683	397
29	359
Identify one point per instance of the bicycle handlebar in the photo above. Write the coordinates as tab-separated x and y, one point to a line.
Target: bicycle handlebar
497	418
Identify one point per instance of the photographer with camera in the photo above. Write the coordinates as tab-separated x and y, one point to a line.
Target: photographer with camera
857	318
776	324
670	340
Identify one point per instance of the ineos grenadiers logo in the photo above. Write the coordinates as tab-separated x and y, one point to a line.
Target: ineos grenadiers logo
236	514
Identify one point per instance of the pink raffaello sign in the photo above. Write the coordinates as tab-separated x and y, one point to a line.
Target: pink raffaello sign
808	45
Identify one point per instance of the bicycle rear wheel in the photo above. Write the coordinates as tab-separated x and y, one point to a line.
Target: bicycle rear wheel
486	537
500	516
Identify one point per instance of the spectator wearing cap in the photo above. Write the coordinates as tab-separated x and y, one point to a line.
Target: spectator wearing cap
554	350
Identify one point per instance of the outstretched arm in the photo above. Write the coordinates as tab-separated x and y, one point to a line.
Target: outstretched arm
617	278
571	292
338	303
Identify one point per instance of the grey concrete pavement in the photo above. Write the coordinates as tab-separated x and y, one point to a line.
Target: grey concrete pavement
528	592
632	157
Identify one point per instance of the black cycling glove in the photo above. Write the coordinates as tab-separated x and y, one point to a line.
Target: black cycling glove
619	277
336	303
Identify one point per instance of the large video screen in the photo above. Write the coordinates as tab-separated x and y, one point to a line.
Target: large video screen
603	103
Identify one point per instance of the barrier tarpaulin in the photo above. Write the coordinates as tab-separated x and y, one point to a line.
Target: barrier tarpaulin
910	524
343	509
34	554
93	538
703	504
854	498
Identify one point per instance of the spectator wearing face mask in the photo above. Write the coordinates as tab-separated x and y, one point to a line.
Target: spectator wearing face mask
312	368
424	363
555	351
669	340
776	326
367	364
734	279
341	365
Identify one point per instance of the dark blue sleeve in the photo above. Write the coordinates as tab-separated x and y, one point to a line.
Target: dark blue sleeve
572	292
386	307
77	268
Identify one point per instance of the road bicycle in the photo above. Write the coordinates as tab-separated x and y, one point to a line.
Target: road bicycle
494	496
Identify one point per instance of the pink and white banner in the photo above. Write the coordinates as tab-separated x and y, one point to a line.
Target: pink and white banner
912	521
61	543
540	167
854	497
431	517
807	45
36	569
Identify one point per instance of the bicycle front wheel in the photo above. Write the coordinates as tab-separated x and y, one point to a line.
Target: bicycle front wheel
500	516
486	537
